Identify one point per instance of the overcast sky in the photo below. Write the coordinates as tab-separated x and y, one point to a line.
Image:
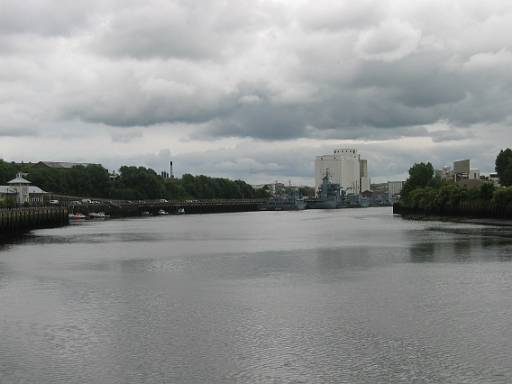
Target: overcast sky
255	89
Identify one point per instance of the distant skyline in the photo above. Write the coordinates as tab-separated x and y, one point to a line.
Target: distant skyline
256	89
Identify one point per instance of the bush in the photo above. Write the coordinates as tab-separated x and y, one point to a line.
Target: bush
502	197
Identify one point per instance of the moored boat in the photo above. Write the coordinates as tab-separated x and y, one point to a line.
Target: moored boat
77	216
98	215
330	196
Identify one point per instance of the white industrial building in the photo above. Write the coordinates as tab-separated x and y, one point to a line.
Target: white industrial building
344	167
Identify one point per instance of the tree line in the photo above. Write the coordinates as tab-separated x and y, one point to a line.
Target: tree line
130	183
426	191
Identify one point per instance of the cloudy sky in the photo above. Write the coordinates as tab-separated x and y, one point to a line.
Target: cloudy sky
254	89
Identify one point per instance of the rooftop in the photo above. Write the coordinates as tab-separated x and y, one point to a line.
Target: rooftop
19	180
63	164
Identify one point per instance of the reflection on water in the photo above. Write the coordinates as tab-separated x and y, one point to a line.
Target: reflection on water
463	244
346	296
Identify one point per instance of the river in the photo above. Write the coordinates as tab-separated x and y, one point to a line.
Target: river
341	296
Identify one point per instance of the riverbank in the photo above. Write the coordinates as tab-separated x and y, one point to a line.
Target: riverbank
458	219
465	212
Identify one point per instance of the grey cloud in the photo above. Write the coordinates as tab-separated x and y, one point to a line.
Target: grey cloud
334	16
180	29
263	70
17	132
49	17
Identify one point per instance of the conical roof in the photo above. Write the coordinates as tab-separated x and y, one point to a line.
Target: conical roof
19	180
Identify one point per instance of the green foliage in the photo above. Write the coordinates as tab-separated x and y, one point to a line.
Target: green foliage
92	180
503	197
174	189
504	167
7	172
424	198
139	183
204	187
447	196
420	175
486	191
424	192
133	183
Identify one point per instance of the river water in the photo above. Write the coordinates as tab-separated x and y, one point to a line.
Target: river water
342	296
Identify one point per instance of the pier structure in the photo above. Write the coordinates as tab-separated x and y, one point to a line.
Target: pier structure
126	208
203	206
19	220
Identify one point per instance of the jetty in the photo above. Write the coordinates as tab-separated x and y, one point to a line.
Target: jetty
124	208
18	220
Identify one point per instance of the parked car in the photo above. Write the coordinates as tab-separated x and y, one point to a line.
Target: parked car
163	201
54	202
86	201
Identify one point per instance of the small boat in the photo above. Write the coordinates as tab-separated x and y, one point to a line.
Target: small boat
163	212
76	216
145	213
98	215
180	211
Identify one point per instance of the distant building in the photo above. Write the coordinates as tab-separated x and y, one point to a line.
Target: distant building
446	174
62	164
365	180
379	187
20	190
274	188
395	188
114	175
493	177
344	167
474	174
461	171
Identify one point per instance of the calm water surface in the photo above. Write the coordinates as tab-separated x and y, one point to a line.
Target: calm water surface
346	296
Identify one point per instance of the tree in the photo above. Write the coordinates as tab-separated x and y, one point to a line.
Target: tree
7	172
503	197
140	183
487	191
504	167
420	176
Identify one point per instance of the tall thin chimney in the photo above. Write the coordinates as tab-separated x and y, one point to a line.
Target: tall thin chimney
171	174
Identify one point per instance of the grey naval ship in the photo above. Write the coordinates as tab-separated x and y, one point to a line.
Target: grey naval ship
330	196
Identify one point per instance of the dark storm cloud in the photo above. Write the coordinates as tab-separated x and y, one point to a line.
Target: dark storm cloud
250	72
